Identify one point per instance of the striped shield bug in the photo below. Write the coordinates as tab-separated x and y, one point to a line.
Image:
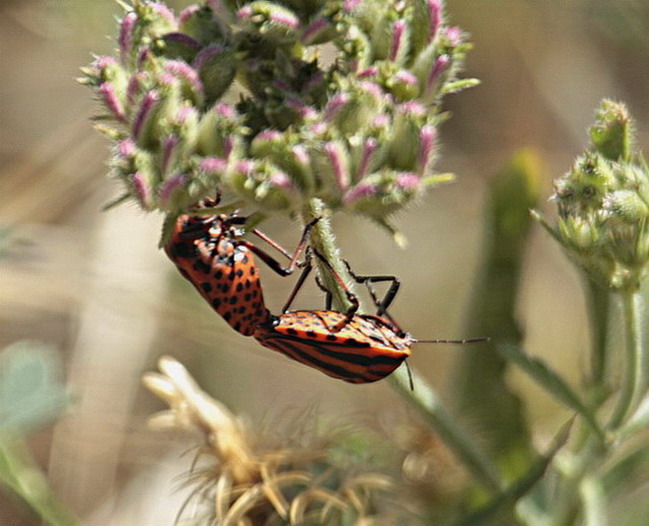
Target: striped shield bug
356	348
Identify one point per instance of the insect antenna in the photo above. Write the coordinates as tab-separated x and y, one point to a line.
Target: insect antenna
461	342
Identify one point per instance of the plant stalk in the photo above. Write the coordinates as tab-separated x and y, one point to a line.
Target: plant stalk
634	380
323	240
19	473
423	398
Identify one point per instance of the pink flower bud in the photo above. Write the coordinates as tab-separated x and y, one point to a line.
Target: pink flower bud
427	140
405	77
315	29
245	167
225	110
206	54
454	35
368	72
142	189
169	187
372	88
126	148
306	113
381	121
168	147
133	87
269	135
442	62
163	11
150	101
359	192
336	103
407	181
185	72
368	150
413	108
213	165
188	12
337	163
125	39
244	13
284	19
397	39
107	92
301	155
435	14
281	180
350	5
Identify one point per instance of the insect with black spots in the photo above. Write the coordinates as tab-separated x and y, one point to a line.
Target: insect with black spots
209	252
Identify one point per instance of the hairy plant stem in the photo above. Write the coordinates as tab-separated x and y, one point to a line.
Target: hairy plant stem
634	379
323	240
423	398
19	472
599	301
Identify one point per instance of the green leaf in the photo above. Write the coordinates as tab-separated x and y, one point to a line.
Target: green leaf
552	382
521	487
620	476
482	392
459	85
31	391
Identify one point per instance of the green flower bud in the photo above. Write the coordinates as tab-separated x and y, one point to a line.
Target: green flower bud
405	146
382	194
627	206
264	185
284	150
584	235
584	187
220	132
176	46
356	49
273	22
199	23
611	133
216	66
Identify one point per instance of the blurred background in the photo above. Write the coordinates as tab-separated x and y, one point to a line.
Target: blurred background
94	285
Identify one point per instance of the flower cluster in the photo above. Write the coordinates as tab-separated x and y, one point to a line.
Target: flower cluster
603	204
338	99
250	481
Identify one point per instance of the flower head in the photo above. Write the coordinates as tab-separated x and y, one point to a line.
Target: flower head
603	204
304	128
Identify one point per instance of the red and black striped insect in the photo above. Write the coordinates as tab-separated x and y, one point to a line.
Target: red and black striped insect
209	252
356	348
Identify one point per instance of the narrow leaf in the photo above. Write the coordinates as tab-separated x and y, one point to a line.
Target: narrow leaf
520	487
552	382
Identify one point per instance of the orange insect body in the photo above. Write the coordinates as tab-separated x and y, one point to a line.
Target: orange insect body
208	253
362	349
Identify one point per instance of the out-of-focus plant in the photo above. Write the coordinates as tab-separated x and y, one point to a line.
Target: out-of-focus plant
31	396
244	477
603	208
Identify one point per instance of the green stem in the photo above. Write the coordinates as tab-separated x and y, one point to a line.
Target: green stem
599	304
324	241
634	380
425	400
19	473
